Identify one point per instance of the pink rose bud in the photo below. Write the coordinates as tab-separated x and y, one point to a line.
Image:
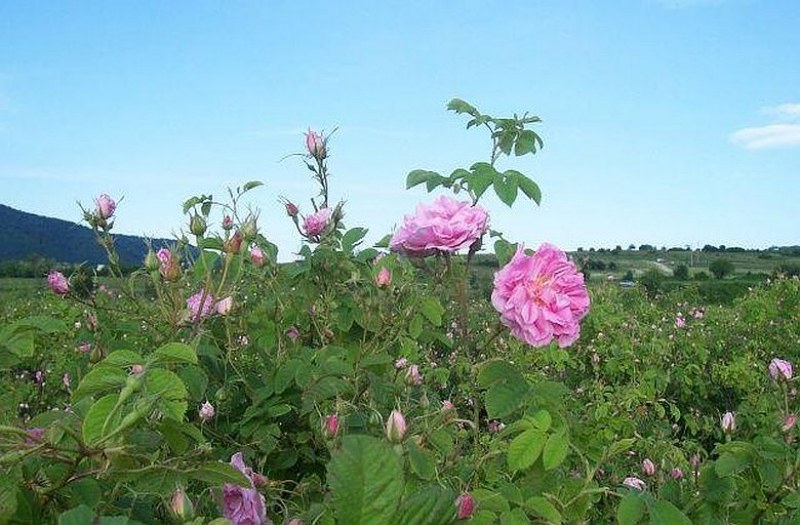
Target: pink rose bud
680	322
695	461
401	363
105	206
648	467
789	423
384	278
227	222
233	244
224	306
634	483
65	380
396	426
85	348
728	422
206	411
466	506
58	283
151	262
257	256
330	426
315	145
291	209
180	506
91	321
495	426
676	473
292	333
259	480
137	369
413	377
447	405
780	369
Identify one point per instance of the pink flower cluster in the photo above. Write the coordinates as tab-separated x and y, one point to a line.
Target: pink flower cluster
445	225
202	305
244	506
541	297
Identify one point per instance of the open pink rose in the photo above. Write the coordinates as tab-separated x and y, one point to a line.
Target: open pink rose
445	225
201	305
315	223
58	283
241	505
541	297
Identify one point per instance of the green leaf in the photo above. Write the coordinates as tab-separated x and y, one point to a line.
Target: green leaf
417	177
169	390
250	185
731	463
631	509
524	450
422	461
80	515
489	500
504	251
526	142
665	513
618	447
529	188
504	398
482	176
172	353
366	481
352	238
459	106
9	488
542	507
96	417
555	450
514	517
122	358
431	505
497	370
99	379
506	189
43	323
432	309
216	473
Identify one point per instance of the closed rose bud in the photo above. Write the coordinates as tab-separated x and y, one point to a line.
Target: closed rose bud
291	209
789	423
257	256
676	473
180	506
695	461
206	411
465	505
315	144
233	244
197	225
413	377
648	467
396	426
151	262
384	278
137	369
249	228
728	422
224	306
330	426
104	207
227	222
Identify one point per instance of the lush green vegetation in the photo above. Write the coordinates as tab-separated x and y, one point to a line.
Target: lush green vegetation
357	386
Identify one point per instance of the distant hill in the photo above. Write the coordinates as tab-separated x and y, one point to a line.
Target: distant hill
24	235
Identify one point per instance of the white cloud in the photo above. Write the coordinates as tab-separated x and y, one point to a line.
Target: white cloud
783	132
770	136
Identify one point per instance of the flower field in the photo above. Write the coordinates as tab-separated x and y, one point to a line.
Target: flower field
383	385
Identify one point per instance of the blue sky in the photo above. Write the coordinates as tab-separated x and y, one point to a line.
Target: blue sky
667	122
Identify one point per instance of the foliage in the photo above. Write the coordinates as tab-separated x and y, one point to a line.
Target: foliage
366	387
721	267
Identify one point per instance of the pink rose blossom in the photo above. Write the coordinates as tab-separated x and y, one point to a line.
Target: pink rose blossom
206	411
316	223
292	333
105	206
495	426
445	225
200	305
241	505
634	483
384	278
257	256
789	423
541	297
85	348
137	369
680	322
447	405
58	283
466	506
780	369
34	435
401	363
676	473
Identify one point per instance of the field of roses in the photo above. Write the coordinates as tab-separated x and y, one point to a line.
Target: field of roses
384	385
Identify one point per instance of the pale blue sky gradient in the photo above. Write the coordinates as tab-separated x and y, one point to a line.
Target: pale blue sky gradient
665	121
